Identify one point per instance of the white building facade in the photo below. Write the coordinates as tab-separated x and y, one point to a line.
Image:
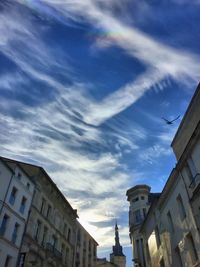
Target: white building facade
16	192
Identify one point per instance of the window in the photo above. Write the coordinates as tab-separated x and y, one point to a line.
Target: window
79	237
69	235
178	257
66	255
135	199
158	242
4	224
19	176
8	261
94	251
170	222
192	166
188	172
54	241
23	205
44	237
162	263
142	197
63	251
13	196
144	212
42	206
48	211
28	185
192	249
37	232
181	207
15	233
137	216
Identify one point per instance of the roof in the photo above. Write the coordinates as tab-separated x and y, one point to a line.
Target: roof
7	166
192	117
136	188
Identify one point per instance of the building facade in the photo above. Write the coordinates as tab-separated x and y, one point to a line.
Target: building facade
140	200
170	229
86	248
50	233
16	193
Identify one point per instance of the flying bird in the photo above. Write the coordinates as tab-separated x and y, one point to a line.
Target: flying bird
170	122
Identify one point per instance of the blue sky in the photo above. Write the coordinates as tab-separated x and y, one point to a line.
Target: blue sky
83	87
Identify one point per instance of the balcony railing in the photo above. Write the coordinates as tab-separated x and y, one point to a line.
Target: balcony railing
53	250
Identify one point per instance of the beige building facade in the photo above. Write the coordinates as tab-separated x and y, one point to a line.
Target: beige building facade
170	229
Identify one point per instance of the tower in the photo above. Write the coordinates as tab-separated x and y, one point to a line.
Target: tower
139	198
117	257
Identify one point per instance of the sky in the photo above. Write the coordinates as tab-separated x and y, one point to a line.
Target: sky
84	85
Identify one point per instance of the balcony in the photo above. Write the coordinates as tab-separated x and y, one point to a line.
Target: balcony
56	253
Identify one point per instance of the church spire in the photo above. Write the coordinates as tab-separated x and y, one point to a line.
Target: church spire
117	249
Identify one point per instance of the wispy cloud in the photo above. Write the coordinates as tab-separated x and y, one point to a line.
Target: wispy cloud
160	59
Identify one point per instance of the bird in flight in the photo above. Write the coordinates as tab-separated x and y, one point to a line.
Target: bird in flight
170	122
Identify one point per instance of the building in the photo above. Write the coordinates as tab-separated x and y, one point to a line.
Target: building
140	200
51	231
16	193
103	262
86	248
117	258
170	229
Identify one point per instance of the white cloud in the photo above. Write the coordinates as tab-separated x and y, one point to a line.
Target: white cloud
162	60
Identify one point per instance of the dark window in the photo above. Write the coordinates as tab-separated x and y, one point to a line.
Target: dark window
4	224
144	212
42	206
8	261
158	242
192	249
44	236
28	185
37	232
142	197
188	172
178	257
23	205
135	199
137	216
79	237
48	211
19	176
162	263
69	235
54	241
13	196
170	222
181	207
15	233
